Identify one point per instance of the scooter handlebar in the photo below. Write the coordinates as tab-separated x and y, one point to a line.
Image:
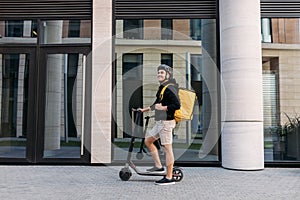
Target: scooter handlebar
138	110
135	110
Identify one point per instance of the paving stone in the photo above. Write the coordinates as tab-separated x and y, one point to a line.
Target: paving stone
99	182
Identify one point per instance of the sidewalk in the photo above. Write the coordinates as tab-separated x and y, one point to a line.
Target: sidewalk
101	183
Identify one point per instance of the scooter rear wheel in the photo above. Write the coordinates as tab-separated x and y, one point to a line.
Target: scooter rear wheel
177	174
125	174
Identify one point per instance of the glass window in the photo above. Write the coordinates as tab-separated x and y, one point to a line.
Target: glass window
133	29
18	31
281	81
166	29
167	59
65	31
14	75
195	29
64	105
136	85
132	73
74	28
14	29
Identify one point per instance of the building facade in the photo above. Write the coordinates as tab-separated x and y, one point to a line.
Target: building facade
71	72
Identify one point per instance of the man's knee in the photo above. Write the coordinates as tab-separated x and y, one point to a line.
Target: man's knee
148	141
168	148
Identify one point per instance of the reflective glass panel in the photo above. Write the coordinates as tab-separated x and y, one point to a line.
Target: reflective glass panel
281	83
65	31
189	47
64	105
18	31
14	70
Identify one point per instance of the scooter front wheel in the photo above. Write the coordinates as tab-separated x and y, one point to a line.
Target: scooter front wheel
177	174
139	155
125	174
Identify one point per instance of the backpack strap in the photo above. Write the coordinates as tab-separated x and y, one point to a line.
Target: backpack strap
163	90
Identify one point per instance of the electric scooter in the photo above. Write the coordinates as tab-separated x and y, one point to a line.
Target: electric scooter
125	173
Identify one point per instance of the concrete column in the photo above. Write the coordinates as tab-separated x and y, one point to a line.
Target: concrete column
27	28
53	89
266	30
101	82
210	97
119	28
20	96
241	70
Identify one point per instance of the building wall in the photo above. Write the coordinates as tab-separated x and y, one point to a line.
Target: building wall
236	51
285	30
155	27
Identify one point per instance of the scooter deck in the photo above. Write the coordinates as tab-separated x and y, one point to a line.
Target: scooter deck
145	173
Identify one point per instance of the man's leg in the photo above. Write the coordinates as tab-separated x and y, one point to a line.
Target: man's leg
153	150
169	160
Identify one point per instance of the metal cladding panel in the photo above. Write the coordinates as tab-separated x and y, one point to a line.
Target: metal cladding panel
49	9
283	8
29	9
148	9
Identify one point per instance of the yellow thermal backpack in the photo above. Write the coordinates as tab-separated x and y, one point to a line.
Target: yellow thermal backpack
187	101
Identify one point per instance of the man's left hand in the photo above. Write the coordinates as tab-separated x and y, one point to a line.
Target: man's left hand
158	106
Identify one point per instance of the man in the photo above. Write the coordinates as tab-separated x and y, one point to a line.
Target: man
164	123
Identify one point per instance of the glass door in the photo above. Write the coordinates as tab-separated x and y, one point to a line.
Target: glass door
17	74
62	120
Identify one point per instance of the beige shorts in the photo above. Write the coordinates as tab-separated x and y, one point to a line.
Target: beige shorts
163	129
